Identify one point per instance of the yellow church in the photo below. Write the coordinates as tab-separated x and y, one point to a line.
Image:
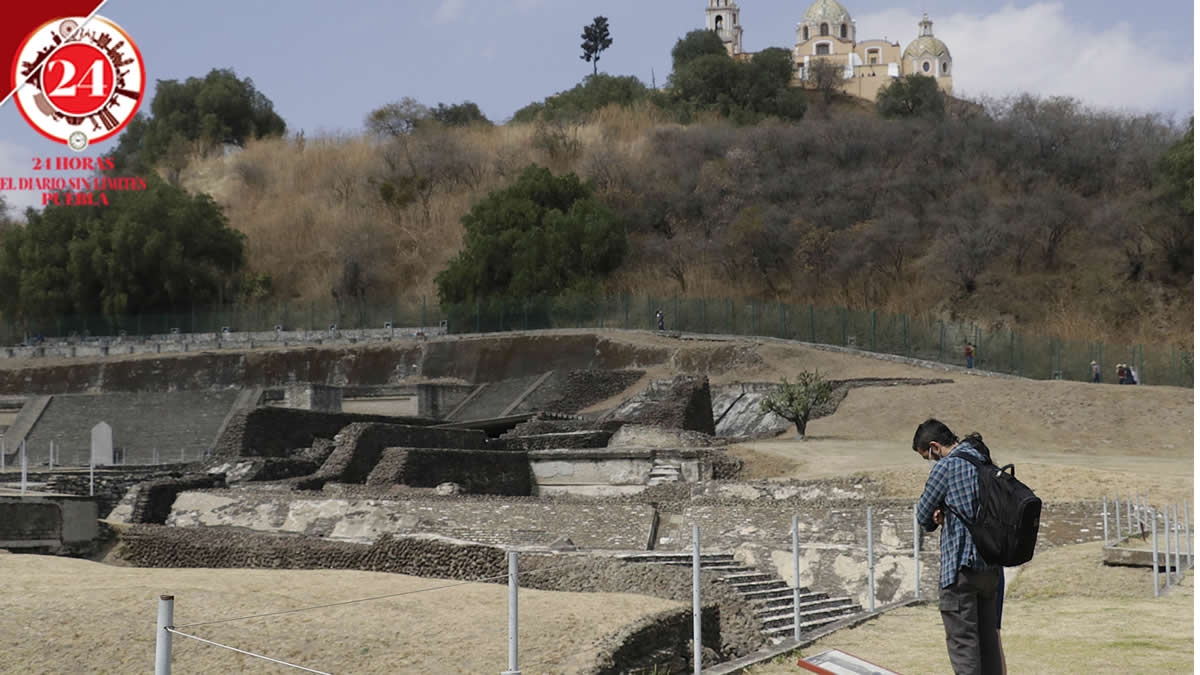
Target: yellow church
827	32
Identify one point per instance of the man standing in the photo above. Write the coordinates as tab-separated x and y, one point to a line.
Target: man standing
968	584
969	352
1095	372
658	318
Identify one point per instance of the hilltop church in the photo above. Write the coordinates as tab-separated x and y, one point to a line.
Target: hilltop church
827	32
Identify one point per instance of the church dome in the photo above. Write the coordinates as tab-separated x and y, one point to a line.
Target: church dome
926	43
830	11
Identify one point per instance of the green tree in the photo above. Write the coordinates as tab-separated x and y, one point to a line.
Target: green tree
1174	228
596	39
213	110
796	401
399	118
459	114
149	250
544	234
911	96
694	45
593	93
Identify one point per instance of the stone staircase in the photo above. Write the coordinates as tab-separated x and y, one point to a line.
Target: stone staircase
663	472
770	596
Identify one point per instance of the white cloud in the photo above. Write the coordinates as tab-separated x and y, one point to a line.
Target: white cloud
449	11
1037	49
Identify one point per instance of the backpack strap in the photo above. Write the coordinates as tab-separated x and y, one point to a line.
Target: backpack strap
979	465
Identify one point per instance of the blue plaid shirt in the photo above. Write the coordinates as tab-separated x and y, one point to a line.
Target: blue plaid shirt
954	481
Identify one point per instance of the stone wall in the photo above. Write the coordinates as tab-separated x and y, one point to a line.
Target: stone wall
569	391
108	485
278	432
476	471
554	441
151	501
500	521
177	426
29	522
683	402
357	448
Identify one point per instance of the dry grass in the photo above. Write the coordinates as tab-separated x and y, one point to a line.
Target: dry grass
61	615
1064	612
308	207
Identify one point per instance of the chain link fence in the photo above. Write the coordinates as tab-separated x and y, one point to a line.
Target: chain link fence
1003	351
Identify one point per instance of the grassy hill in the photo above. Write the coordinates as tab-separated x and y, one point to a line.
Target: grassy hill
1040	216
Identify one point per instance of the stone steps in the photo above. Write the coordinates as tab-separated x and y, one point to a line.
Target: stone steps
771	597
665	473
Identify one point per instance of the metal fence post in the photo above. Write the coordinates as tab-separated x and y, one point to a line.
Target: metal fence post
24	467
1167	545
1129	514
162	636
870	564
1175	531
3	451
1106	521
1187	531
1117	519
51	455
916	556
513	668
796	577
812	324
1154	549
697	645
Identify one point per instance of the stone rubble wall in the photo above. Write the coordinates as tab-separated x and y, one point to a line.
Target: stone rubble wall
682	402
278	432
358	446
475	471
562	440
569	391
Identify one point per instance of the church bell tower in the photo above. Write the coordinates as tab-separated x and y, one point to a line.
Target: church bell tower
722	17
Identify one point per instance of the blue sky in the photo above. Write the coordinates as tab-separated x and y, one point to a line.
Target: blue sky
326	69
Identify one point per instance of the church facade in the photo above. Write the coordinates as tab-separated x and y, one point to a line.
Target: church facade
827	32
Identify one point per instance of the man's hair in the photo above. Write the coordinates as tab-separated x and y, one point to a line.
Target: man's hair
933	431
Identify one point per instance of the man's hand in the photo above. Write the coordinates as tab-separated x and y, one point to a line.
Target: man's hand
938	516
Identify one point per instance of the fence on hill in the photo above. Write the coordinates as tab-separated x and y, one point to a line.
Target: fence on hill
1002	351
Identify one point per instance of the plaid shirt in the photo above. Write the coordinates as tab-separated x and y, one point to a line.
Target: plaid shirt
954	481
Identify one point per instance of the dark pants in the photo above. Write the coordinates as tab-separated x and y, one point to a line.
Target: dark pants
969	615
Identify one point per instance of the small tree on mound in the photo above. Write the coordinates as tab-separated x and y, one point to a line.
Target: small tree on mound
795	401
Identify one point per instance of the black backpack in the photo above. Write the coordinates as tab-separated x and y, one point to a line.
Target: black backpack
1005	526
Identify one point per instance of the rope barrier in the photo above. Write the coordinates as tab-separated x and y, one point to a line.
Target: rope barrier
376	597
243	651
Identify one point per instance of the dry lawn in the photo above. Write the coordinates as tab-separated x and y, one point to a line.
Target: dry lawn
1064	612
60	615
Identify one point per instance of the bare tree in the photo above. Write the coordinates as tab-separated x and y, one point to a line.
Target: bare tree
824	76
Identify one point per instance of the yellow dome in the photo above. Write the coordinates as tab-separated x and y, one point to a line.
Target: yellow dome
926	44
830	11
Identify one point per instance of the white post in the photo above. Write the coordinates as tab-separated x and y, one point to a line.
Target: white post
3	451
870	564
1106	520
1154	550
513	668
796	577
162	641
1117	505
182	459
1187	531
1175	531
697	645
92	476
51	455
24	468
916	556
1129	514
1167	546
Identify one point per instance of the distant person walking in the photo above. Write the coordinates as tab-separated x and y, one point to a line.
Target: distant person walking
658	318
969	352
1095	372
1131	375
1120	373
